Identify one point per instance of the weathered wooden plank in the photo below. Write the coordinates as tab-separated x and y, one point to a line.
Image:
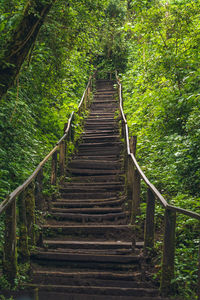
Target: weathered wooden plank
149	222
10	248
168	252
39	199
54	169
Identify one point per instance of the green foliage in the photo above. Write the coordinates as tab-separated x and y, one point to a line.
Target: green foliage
161	93
50	85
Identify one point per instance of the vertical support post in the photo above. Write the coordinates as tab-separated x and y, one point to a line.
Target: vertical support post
130	178
133	144
85	99
23	250
72	131
168	252
62	158
136	196
149	222
39	199
10	249
122	128
130	175
54	168
29	195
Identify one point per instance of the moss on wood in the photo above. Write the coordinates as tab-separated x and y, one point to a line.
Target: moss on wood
10	250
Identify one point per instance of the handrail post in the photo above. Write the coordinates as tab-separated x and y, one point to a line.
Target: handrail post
39	199
54	168
135	211
23	251
168	252
85	99
149	222
62	158
130	174
72	130
30	212
136	183
133	144
10	248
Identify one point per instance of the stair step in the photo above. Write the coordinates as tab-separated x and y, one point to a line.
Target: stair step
91	189
69	257
92	200
89	195
92	185
98	158
92	210
94	290
94	245
94	164
98	138
81	217
94	172
101	133
97	124
97	178
85	203
121	232
102	151
64	279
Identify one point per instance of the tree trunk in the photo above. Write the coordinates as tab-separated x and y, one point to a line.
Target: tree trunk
21	42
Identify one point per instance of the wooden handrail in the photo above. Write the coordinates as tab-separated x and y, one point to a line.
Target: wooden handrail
143	176
133	185
11	197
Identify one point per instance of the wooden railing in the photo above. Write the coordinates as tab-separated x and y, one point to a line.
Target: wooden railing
134	177
20	218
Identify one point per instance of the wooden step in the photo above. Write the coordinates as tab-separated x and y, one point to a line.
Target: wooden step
52	295
76	257
93	172
120	232
94	245
89	218
86	210
99	145
99	133
29	293
91	189
63	278
93	185
94	290
99	138
94	164
87	203
97	178
88	195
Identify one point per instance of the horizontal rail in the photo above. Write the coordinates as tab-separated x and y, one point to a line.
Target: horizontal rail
154	190
11	197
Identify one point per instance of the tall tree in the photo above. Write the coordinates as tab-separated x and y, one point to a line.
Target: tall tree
21	41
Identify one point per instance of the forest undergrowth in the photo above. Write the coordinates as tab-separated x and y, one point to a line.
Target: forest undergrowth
154	46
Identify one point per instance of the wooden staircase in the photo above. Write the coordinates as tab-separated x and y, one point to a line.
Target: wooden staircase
89	249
